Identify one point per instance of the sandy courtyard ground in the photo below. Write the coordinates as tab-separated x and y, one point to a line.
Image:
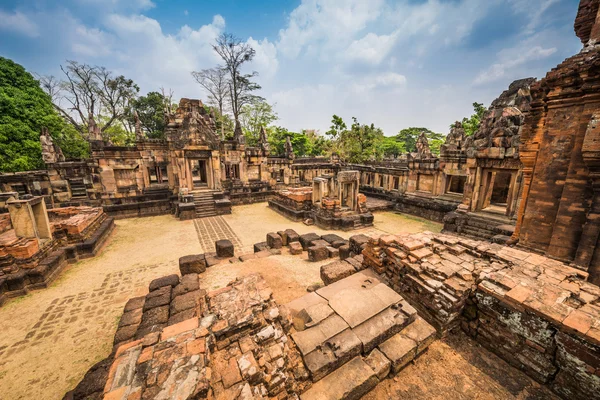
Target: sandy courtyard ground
50	337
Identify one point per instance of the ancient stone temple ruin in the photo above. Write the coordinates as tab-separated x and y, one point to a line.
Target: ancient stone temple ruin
513	275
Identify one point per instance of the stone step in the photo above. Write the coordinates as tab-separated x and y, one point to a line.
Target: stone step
351	381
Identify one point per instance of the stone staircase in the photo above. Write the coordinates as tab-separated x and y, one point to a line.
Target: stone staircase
204	202
78	189
487	226
353	333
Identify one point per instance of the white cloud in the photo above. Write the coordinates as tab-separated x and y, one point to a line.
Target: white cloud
317	26
511	59
265	61
19	23
90	42
372	48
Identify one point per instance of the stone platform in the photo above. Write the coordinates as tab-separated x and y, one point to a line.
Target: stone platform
349	346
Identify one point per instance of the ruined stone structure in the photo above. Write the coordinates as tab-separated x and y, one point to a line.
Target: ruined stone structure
36	244
333	202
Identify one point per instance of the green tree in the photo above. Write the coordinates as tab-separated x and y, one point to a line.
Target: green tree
472	123
24	109
408	138
361	143
391	147
255	115
150	109
277	136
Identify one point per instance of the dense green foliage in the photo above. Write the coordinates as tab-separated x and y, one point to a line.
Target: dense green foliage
150	109
408	138
258	113
472	123
24	110
306	143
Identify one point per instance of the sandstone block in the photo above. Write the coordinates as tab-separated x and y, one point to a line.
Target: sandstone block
224	248
274	241
192	264
307	238
336	271
379	364
358	243
400	350
188	283
344	251
333	252
258	247
332	238
317	253
170	280
291	236
295	248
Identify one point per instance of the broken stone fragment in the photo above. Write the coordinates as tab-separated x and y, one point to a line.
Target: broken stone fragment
295	248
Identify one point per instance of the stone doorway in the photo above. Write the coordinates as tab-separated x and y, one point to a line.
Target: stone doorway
199	173
496	191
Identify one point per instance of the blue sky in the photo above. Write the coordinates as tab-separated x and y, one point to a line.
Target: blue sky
394	63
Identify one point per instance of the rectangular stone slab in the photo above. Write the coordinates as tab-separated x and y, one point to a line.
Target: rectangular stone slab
310	338
379	328
351	381
357	300
332	354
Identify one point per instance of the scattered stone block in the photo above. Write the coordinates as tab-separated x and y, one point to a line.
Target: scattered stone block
188	283
358	243
224	248
317	253
274	241
307	238
339	243
332	238
295	248
192	264
211	259
336	271
246	257
333	252
283	237
344	251
318	242
291	236
260	246
421	332
169	280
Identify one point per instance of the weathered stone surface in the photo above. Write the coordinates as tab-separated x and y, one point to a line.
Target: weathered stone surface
192	264
332	238
258	247
336	271
400	350
224	248
344	251
379	364
295	248
274	241
353	380
170	280
307	238
317	253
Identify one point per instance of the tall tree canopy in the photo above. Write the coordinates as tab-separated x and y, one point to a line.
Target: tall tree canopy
215	81
235	53
150	109
361	142
255	115
90	92
408	139
24	110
